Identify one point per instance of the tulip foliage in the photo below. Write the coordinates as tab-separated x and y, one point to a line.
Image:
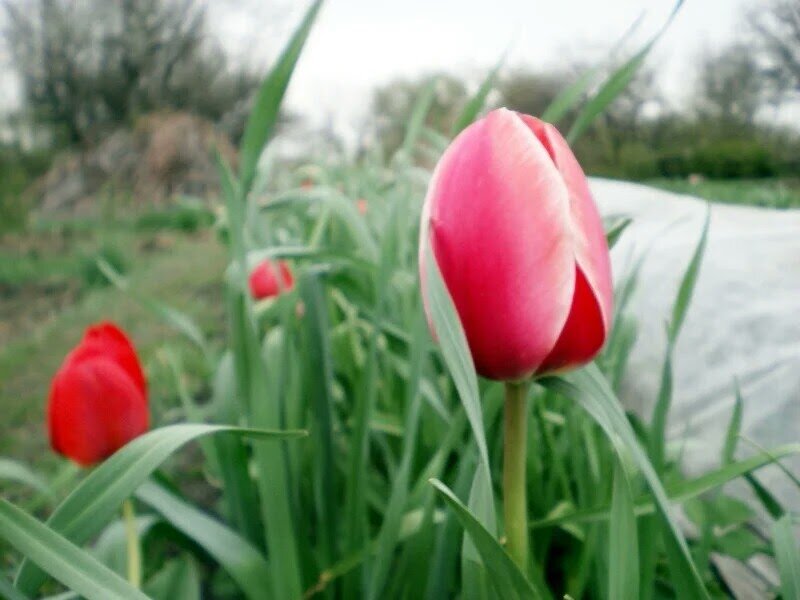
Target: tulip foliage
380	360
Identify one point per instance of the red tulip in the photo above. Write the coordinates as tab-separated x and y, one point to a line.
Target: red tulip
98	397
521	247
269	279
362	206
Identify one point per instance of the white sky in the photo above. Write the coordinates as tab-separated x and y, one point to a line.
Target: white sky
358	44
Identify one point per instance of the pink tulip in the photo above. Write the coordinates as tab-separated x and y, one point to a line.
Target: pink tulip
521	247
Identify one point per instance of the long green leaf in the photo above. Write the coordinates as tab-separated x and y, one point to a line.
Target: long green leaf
587	387
616	83
788	556
12	470
475	105
243	562
507	580
70	565
178	580
266	109
623	568
393	518
93	503
320	376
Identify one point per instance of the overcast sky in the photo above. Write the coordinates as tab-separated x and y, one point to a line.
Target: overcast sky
358	44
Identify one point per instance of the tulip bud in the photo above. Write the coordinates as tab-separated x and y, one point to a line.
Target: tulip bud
98	397
521	247
269	279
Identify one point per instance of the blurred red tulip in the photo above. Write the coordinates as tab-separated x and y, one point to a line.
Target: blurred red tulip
269	279
98	397
362	206
521	247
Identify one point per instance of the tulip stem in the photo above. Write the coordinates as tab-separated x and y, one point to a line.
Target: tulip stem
515	505
134	551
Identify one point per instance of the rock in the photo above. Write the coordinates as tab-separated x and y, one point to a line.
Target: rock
166	154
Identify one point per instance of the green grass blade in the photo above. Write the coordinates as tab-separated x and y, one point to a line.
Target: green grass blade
266	109
243	562
568	98
70	565
507	580
689	281
417	119
456	354
658	427
475	105
9	592
95	501
616	229
11	470
389	535
623	568
588	388
178	580
341	207
787	555
616	83
683	490
320	378
734	428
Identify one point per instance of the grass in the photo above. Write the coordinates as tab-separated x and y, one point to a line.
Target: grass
768	193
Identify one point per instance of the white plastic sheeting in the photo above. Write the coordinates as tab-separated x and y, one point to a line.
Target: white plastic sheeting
743	322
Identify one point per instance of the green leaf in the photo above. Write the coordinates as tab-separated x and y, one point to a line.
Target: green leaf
243	562
341	207
623	568
178	580
587	387
615	83
734	428
689	281
683	490
266	109
389	535
70	565
94	502
616	229
9	592
570	96
12	470
506	578
455	351
658	427
417	119
320	378
475	105
784	543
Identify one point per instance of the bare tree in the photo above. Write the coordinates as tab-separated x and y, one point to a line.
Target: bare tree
731	86
88	65
776	27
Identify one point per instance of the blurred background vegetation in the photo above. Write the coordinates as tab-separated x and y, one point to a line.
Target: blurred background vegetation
108	156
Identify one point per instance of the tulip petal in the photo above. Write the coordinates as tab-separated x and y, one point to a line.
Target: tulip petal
584	332
498	210
590	245
107	340
95	408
